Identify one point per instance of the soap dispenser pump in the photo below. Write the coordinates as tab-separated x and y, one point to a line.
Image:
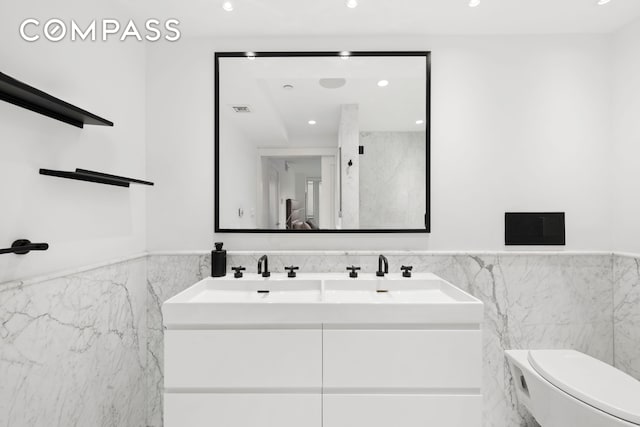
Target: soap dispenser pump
218	261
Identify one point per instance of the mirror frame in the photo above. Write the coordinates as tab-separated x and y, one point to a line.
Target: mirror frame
218	55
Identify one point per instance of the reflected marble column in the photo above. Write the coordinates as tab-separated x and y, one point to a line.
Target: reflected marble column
348	141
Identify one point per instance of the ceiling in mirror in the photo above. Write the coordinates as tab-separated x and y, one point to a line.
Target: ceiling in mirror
322	142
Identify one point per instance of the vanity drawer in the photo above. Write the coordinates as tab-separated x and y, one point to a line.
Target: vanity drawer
402	410
396	359
242	410
244	359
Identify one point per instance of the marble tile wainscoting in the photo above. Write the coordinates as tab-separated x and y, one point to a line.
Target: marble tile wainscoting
73	348
626	313
86	348
532	300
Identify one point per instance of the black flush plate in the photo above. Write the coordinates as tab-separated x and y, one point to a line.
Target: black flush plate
534	228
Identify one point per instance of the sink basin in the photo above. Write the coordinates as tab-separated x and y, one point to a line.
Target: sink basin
393	291
321	299
258	291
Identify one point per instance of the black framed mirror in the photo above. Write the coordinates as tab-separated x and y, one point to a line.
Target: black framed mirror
322	142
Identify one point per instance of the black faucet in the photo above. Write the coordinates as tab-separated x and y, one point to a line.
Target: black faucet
382	259
266	272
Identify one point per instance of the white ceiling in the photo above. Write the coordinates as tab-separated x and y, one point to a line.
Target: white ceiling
281	116
389	17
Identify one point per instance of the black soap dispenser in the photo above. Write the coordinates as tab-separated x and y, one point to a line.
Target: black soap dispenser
218	261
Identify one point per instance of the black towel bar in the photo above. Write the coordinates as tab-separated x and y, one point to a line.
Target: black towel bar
24	246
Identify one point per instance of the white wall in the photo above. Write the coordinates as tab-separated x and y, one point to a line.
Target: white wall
519	123
328	193
626	132
287	189
84	223
241	159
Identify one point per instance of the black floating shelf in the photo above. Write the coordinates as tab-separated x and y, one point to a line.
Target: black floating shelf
116	177
93	176
25	96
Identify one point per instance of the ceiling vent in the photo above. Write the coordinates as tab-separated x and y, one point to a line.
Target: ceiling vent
241	108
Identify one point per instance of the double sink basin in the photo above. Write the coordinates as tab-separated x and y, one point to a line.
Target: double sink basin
324	298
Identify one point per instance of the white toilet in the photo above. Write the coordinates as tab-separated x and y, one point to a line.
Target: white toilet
566	388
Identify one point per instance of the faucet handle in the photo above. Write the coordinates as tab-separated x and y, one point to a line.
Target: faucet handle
406	270
353	271
238	271
292	271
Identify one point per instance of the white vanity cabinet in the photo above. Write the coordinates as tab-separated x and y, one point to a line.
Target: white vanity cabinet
401	377
243	378
408	356
242	410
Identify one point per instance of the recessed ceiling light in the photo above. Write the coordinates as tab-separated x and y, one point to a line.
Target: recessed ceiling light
352	4
345	54
383	83
603	2
251	56
474	3
227	6
287	87
312	122
419	122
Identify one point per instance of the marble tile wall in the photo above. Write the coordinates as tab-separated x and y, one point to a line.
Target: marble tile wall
73	349
531	301
87	348
393	180
166	276
348	141
626	314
